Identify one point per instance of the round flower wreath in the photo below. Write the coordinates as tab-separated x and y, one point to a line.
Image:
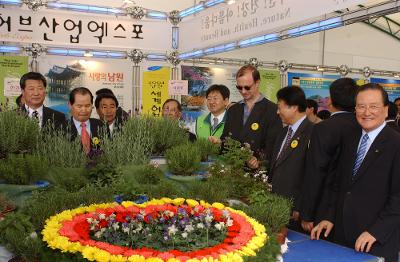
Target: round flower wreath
64	231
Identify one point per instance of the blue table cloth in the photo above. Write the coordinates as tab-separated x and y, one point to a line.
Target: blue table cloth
302	248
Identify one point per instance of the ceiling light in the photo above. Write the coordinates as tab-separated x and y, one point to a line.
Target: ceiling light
231	2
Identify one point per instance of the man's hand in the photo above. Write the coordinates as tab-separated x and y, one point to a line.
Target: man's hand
364	241
323	225
307	225
253	163
214	140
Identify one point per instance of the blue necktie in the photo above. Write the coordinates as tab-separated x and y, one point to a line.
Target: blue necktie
360	153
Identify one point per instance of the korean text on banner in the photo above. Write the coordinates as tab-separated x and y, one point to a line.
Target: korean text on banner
248	18
155	89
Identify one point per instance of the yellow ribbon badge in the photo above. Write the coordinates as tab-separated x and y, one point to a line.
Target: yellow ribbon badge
255	126
95	141
294	143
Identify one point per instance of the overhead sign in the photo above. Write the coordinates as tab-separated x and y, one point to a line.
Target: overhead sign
247	18
85	30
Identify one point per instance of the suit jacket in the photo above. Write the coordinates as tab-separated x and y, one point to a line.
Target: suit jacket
51	118
393	124
369	200
287	172
260	129
322	160
97	129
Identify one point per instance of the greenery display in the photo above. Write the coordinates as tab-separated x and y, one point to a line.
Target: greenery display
183	159
22	169
56	148
165	134
235	155
132	144
17	133
206	148
119	171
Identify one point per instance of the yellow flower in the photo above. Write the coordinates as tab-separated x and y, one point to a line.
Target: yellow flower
218	205
136	258
178	201
192	203
95	140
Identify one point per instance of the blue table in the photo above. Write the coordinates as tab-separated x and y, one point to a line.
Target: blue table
302	248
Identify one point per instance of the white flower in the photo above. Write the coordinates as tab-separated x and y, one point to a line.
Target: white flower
115	226
229	222
98	234
33	235
200	225
189	228
89	219
125	229
208	218
184	234
172	230
220	225
102	216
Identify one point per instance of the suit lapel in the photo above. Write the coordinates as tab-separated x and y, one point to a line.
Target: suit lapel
278	145
74	132
46	116
372	154
297	136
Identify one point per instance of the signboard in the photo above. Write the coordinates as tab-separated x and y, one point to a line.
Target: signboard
245	18
66	73
155	89
177	87
11	70
85	30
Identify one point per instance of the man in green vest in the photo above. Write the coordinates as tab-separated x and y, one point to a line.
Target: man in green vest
212	124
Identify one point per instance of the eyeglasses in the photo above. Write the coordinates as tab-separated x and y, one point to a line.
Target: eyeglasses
245	87
371	108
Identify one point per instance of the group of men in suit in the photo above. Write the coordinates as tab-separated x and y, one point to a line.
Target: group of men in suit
343	173
33	86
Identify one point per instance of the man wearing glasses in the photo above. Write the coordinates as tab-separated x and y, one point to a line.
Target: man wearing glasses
254	119
364	202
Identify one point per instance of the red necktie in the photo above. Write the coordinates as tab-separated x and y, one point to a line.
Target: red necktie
85	138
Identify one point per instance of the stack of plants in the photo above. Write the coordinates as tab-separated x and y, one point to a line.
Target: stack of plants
120	172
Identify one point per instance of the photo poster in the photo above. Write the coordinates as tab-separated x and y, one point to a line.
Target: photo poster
155	89
63	74
12	68
201	78
270	83
392	86
315	86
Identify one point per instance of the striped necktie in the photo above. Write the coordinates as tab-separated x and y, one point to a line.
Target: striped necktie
361	153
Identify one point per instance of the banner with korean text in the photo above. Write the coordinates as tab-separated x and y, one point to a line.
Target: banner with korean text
155	89
246	18
11	70
392	86
84	30
66	73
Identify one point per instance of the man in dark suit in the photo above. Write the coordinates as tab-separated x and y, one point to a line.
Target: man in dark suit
391	119
253	120
325	147
173	109
106	106
289	155
89	130
33	87
364	206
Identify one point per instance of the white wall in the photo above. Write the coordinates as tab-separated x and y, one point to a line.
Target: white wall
356	45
